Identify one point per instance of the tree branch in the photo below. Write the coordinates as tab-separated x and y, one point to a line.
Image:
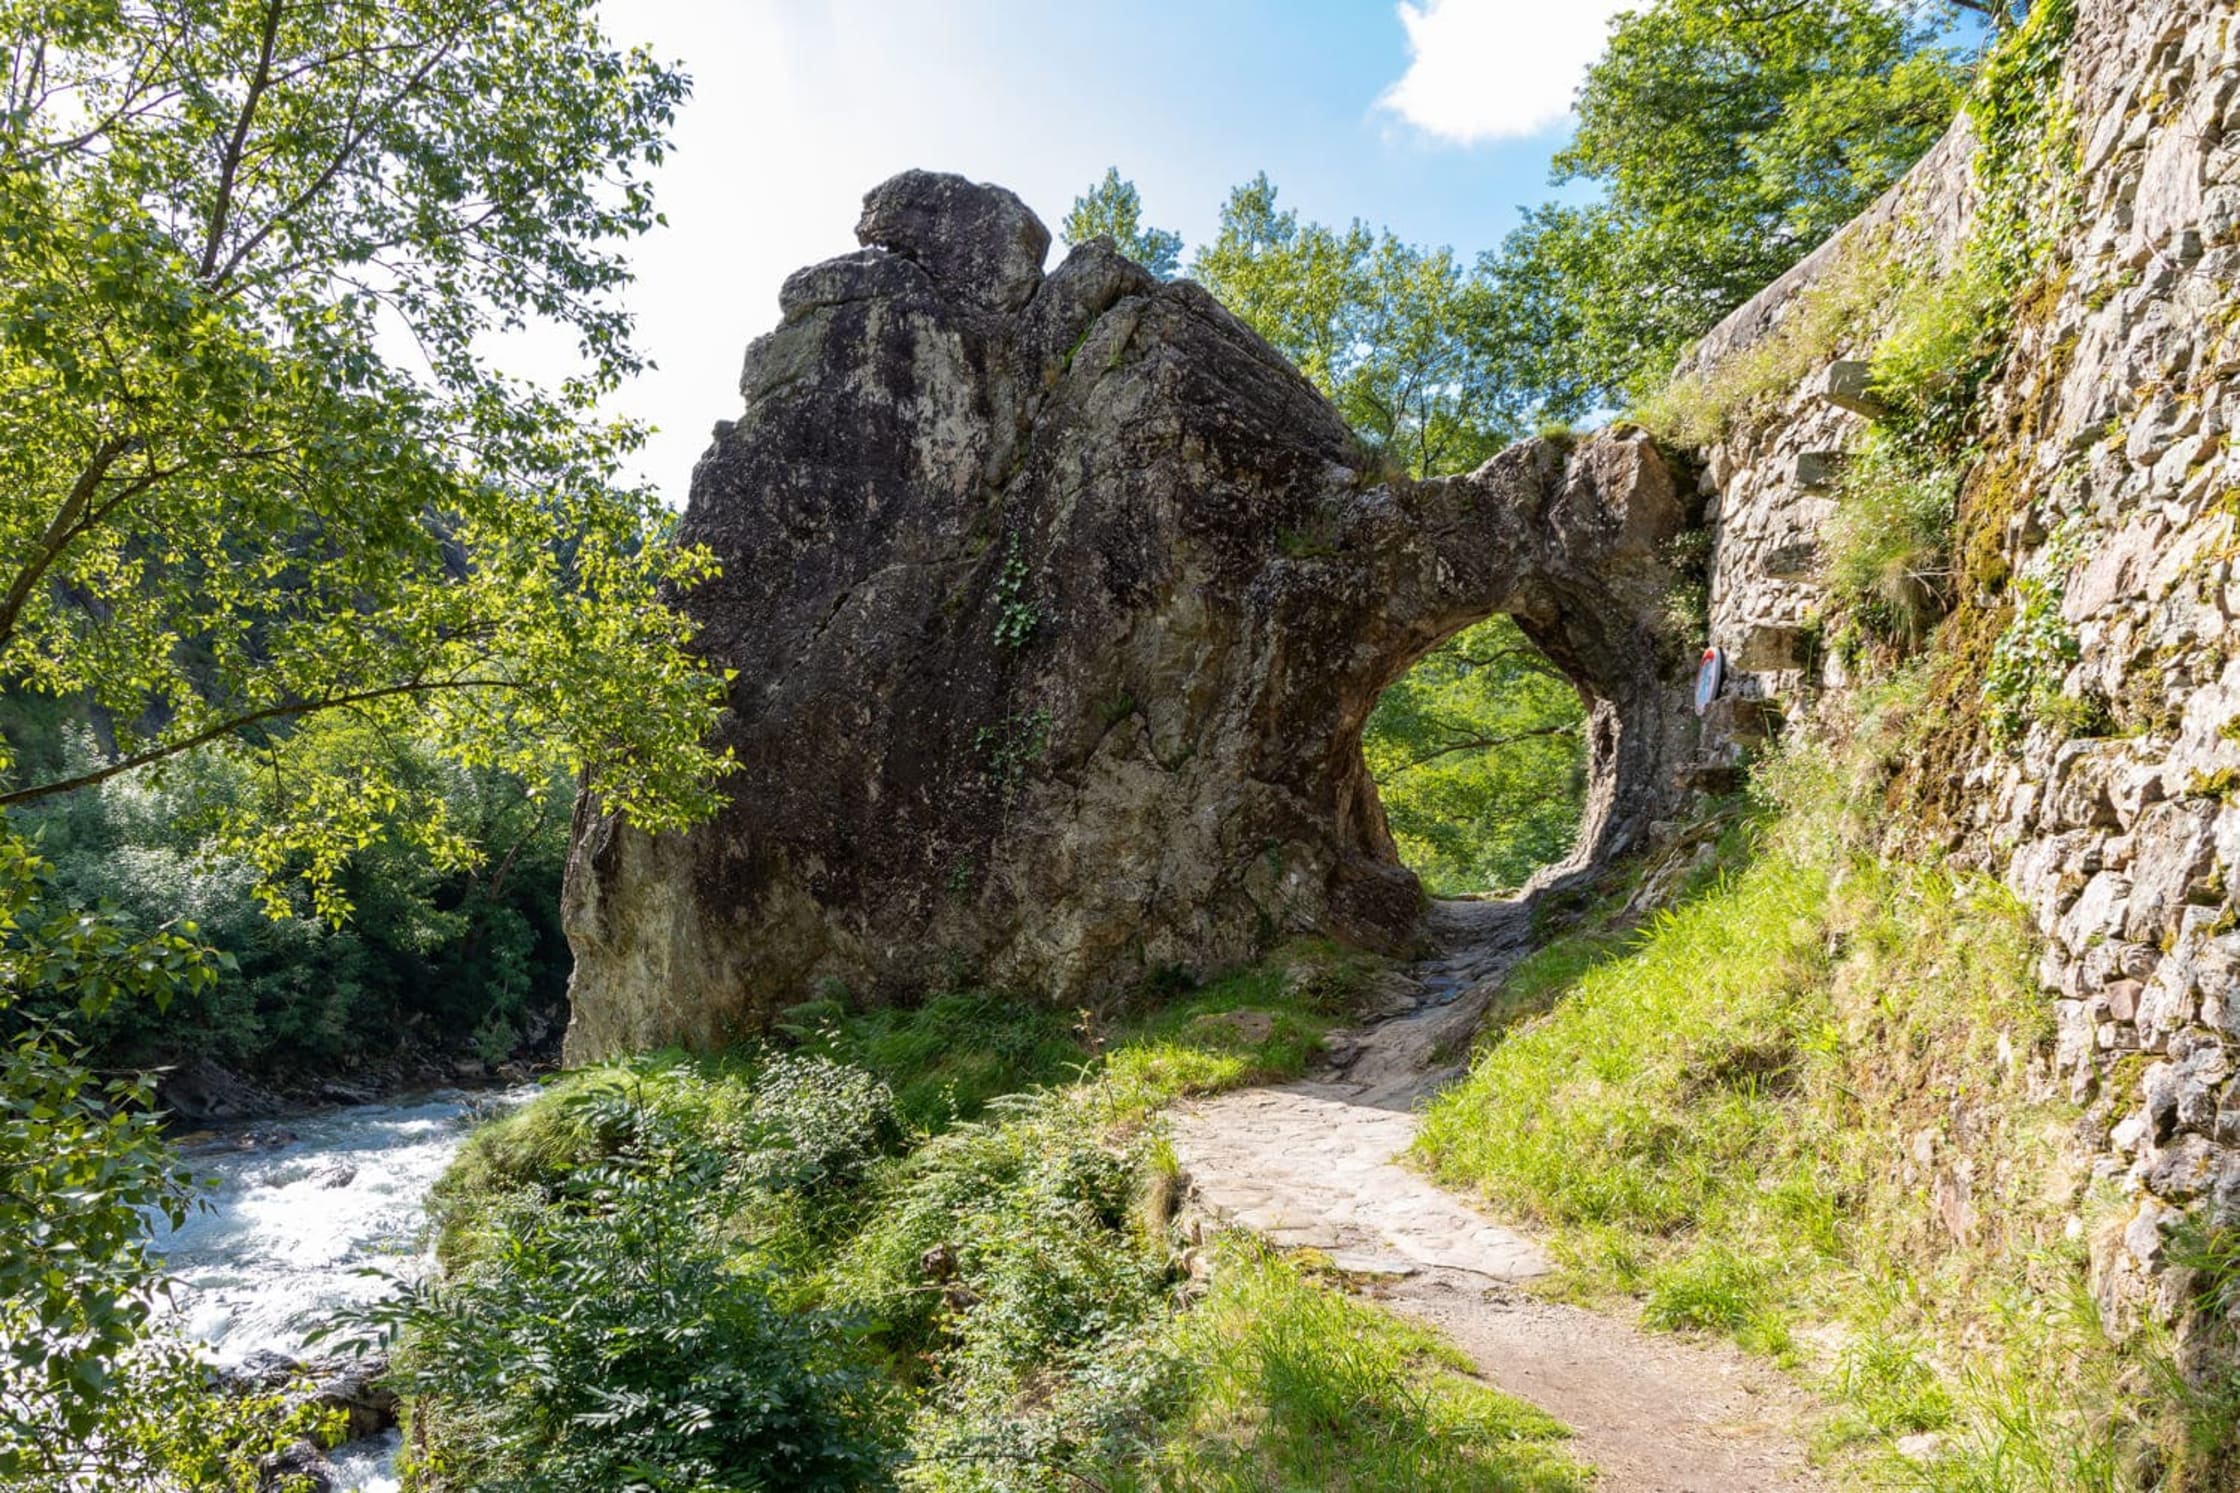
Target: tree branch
61	529
1471	744
229	168
239	723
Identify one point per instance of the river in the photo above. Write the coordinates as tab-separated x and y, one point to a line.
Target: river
301	1205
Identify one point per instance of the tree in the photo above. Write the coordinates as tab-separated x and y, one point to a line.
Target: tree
1729	138
1479	755
233	499
1113	208
258	470
1376	323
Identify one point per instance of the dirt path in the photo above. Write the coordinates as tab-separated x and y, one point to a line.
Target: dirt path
1316	1165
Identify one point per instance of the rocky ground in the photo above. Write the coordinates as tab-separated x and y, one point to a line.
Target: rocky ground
1322	1165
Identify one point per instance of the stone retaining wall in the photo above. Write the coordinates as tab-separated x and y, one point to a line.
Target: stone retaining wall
2115	819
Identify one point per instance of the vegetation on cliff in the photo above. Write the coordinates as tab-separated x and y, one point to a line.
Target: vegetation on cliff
1809	1108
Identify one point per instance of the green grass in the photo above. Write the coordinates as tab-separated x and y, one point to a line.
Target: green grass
980	1190
1742	1119
946	1059
1291	1384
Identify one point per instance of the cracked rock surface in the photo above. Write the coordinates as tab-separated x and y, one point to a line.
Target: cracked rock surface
1057	604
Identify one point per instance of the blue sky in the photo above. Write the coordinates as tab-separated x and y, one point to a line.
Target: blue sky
1435	119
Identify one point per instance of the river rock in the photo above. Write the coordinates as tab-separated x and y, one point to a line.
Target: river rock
351	1384
1057	604
302	1467
201	1092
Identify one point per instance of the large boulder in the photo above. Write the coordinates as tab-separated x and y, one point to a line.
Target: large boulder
1057	605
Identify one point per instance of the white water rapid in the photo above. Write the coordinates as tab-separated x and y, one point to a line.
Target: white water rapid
301	1205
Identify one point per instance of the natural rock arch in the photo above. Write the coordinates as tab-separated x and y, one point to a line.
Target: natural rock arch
1058	604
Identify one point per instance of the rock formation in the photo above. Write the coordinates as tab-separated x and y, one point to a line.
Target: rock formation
1057	605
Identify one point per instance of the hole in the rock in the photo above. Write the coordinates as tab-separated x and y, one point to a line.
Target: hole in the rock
1479	754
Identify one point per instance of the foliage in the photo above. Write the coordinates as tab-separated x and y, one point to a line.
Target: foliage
240	526
613	1342
1751	1119
1728	140
2032	657
441	952
1273	1380
89	1388
1114	209
1376	323
221	221
1889	545
945	1059
1479	755
1005	1248
1011	1275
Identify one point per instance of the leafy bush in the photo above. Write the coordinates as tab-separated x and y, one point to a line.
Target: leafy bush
613	1341
1004	1240
1889	546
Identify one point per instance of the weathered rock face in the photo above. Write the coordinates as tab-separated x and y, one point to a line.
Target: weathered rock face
1058	604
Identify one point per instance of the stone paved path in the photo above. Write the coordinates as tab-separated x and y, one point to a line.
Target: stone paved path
1318	1164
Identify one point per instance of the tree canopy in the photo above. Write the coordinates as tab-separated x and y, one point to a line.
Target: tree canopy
266	497
259	462
1379	325
1114	209
1727	139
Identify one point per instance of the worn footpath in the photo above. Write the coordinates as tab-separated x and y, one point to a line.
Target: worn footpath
1322	1165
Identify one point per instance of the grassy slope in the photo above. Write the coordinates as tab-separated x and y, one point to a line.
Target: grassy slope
1807	1108
1012	1265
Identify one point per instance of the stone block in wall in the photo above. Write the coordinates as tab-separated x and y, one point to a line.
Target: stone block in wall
1771	649
1849	385
1796	562
2179	1172
1710	776
2174	845
2082	795
1745	722
2097	913
1817	469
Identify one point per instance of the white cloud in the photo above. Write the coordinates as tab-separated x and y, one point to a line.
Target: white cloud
1496	69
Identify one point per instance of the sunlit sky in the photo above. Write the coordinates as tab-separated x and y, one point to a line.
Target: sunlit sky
1434	118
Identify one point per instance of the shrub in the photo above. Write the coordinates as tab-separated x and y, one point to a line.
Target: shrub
613	1342
1889	546
1004	1241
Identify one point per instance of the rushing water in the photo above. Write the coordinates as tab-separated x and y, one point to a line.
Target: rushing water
301	1206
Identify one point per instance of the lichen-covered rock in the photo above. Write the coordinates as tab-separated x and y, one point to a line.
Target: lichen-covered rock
1057	606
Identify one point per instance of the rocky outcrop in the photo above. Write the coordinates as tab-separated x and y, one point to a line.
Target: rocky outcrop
1057	604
